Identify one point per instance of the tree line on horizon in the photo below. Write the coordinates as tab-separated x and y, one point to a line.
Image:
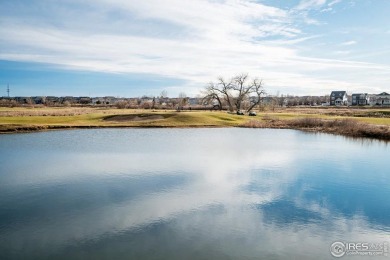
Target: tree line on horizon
237	94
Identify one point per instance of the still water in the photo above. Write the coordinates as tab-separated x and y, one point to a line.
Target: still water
190	194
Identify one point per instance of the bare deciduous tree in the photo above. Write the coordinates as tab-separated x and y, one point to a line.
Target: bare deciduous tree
183	100
241	89
225	89
235	92
258	90
212	93
164	94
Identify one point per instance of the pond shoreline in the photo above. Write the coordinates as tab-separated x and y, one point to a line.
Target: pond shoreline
350	122
44	128
343	127
348	128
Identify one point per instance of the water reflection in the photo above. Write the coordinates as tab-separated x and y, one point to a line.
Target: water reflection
189	193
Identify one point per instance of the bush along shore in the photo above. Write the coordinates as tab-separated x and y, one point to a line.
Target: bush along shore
346	127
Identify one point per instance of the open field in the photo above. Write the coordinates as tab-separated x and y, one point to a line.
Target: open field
44	118
47	118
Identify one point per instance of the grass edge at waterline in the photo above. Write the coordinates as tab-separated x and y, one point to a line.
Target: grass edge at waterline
352	124
345	126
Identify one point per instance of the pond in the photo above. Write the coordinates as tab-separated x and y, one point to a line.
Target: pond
190	194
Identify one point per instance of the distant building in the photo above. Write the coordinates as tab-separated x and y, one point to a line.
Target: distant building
360	99
338	98
21	100
85	100
38	100
382	99
109	100
194	101
69	99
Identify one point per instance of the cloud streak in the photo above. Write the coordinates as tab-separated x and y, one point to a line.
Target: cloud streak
348	43
308	4
195	41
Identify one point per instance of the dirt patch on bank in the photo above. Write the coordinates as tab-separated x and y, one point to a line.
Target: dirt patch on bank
133	118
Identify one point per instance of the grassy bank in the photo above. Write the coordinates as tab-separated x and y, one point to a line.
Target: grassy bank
24	120
346	126
349	122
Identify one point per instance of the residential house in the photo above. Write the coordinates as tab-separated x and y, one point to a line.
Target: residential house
360	99
338	98
382	99
371	99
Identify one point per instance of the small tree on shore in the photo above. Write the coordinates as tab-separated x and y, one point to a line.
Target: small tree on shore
183	100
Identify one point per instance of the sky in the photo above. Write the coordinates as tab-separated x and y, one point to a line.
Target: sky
130	48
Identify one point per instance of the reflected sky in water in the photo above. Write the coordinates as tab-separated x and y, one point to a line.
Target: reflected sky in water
189	194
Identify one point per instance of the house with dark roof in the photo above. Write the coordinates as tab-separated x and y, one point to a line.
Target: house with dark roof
338	98
382	99
360	99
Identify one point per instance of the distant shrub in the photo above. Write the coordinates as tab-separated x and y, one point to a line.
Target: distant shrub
121	104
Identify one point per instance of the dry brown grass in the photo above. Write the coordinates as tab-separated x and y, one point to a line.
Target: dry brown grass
346	126
254	124
339	111
46	112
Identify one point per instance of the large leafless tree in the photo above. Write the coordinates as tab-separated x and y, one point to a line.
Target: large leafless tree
235	91
220	92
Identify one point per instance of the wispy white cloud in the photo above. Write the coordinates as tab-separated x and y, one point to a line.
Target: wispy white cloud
332	3
329	9
308	4
348	43
343	52
315	4
191	40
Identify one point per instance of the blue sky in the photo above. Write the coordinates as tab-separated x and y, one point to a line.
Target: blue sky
135	48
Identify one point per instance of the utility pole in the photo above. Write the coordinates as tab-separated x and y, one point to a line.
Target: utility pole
8	90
